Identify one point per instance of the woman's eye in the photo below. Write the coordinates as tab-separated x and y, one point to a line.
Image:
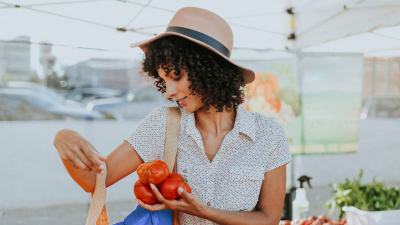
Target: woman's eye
177	78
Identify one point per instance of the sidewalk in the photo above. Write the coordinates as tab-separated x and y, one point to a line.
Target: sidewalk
63	215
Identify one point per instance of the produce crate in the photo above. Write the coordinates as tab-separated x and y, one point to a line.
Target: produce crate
355	216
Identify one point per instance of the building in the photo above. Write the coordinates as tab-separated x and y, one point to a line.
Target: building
381	76
104	73
15	59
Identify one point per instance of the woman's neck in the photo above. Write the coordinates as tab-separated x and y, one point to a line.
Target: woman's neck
214	122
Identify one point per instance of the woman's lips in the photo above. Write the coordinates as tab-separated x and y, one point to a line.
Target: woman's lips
182	101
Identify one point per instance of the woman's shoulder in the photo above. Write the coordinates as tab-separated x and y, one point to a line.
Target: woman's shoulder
159	112
265	124
262	120
160	115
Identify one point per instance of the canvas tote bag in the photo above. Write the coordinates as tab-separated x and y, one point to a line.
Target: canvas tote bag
97	211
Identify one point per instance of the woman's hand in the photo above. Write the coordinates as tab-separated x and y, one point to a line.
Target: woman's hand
77	151
189	203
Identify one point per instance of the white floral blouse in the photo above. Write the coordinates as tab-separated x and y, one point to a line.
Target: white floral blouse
233	179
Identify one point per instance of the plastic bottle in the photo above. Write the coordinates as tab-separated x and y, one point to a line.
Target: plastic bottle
300	204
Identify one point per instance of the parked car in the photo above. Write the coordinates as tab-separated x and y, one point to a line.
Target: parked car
135	104
29	101
83	96
387	106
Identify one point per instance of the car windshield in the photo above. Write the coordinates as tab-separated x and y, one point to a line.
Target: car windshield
36	89
34	97
90	94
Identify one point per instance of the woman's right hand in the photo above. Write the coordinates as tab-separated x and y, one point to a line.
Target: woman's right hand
77	151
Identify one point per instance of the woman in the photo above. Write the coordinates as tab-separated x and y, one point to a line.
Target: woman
235	160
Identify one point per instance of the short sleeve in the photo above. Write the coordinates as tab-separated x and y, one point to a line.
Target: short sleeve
280	154
148	138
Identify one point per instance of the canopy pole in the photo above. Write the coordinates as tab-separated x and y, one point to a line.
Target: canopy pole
291	38
373	79
387	75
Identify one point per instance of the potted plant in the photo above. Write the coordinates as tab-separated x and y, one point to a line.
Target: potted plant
364	204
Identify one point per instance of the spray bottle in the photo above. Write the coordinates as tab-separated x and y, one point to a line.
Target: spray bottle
300	204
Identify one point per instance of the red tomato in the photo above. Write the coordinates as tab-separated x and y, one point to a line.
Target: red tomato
175	176
144	193
154	171
169	187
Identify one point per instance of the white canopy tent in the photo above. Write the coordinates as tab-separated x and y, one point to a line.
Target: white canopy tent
367	26
371	27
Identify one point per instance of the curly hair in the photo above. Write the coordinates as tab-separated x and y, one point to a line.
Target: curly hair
216	80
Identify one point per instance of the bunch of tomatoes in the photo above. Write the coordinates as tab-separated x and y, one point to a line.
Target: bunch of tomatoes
313	220
156	172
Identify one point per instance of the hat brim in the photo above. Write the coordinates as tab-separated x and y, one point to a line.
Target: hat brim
248	74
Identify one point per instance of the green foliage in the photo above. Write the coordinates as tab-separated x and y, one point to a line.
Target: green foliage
369	197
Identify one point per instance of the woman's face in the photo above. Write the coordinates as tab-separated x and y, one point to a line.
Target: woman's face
178	87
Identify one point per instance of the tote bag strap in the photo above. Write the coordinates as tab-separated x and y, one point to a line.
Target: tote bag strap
172	137
171	145
97	210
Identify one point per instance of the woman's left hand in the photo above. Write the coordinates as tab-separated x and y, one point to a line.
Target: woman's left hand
189	203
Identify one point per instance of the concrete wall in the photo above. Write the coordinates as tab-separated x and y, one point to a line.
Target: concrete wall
31	172
32	175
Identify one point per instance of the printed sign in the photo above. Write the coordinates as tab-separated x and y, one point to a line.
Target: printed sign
316	97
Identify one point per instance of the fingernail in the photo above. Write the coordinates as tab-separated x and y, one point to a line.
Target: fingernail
180	189
101	167
152	186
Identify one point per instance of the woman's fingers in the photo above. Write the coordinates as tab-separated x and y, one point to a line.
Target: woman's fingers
74	156
82	157
78	164
186	203
169	204
78	152
158	194
152	208
185	195
100	156
70	157
92	156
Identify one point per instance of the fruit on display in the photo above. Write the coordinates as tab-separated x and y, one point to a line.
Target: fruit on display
313	220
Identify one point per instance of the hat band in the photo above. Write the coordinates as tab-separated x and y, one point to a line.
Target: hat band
201	37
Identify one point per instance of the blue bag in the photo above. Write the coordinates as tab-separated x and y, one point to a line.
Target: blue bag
142	216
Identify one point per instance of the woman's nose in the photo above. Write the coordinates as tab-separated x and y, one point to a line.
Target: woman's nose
170	91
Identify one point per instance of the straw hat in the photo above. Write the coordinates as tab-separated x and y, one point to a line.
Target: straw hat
204	28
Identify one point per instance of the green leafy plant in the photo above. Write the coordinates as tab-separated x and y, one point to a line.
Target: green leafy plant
369	197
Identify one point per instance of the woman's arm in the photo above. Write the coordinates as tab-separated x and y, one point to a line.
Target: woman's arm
268	210
83	161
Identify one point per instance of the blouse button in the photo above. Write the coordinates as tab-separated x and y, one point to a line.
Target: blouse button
185	171
208	203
